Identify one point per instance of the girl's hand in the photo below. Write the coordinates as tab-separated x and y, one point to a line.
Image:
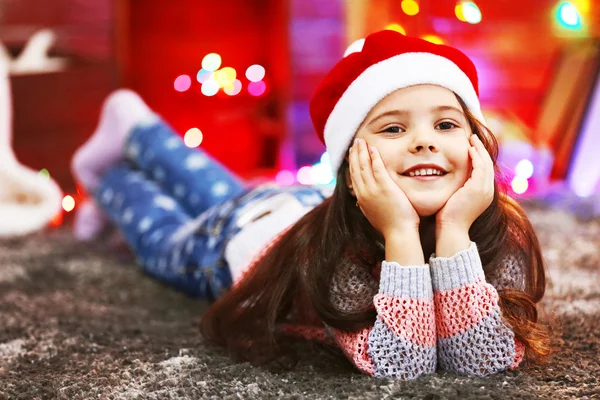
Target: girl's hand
471	200
379	197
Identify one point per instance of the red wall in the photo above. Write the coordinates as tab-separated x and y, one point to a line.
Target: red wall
165	39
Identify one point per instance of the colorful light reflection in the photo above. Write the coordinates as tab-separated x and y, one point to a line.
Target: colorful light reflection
285	178
233	88
193	138
68	203
211	62
255	73
257	88
182	83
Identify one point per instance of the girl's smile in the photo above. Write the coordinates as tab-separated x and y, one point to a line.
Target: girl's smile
422	135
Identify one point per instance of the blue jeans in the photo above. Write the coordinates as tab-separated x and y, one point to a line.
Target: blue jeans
177	209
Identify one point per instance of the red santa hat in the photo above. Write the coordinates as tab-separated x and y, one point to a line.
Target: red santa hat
376	66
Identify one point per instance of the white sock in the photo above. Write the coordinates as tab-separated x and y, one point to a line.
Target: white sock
121	112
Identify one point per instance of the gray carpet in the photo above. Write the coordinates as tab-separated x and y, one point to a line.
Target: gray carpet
82	322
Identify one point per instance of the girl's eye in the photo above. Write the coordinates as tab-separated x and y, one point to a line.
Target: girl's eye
393	129
446	125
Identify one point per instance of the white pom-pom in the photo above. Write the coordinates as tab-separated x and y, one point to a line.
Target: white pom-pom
355	47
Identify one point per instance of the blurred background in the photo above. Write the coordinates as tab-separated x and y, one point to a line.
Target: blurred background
235	77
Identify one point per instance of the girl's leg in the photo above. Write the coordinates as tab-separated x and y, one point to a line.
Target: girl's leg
121	111
148	217
191	176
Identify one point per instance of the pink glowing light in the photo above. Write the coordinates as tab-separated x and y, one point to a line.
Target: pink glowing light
285	178
182	83
257	88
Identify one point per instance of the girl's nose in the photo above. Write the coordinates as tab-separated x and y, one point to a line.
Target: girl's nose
422	141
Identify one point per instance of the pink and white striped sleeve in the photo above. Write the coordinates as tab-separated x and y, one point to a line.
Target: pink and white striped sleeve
402	342
472	336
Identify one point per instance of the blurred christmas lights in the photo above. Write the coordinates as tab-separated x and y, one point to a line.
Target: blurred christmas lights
433	39
255	73
233	88
44	173
193	137
257	88
182	83
519	184
68	203
568	16
285	178
524	169
211	62
410	7
203	75
304	175
471	12
396	27
210	87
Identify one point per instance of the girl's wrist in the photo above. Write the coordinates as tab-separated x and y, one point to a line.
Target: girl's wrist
451	240
404	247
402	231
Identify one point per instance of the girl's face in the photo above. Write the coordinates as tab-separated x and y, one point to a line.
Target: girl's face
422	135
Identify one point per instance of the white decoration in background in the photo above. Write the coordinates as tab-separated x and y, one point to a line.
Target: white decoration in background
34	58
28	201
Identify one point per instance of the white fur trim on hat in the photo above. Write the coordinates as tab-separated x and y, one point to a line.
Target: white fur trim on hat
380	80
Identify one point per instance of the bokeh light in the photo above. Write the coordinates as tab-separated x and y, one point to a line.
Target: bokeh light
410	7
568	15
459	12
471	12
433	39
211	62
68	203
44	173
255	73
285	178
229	73
321	174
233	88
182	83
304	175
210	87
524	169
204	75
257	88
519	184
396	27
193	138
325	158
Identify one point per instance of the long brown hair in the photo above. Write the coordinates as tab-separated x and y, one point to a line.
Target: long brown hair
294	276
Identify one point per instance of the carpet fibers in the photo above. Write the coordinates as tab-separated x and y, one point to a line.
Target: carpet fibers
81	321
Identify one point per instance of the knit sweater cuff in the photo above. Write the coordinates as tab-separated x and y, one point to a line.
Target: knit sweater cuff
457	271
408	282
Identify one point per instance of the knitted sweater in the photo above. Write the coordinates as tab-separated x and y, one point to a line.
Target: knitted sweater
443	314
440	315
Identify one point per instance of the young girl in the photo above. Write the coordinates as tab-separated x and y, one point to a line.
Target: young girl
417	261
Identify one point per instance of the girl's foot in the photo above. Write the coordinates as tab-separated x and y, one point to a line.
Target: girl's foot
89	222
121	112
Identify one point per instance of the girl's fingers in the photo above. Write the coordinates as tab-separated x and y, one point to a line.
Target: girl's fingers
478	173
379	172
485	156
355	168
486	160
364	160
482	175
